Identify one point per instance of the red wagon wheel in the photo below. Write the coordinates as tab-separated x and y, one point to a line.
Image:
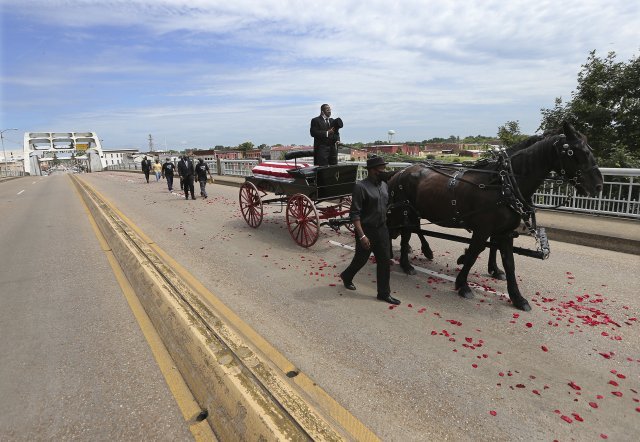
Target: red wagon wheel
302	220
251	204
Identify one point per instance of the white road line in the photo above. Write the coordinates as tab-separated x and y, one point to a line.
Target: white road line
20	191
431	272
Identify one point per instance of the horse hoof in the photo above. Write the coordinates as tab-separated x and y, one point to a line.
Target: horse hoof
524	306
428	254
409	271
460	260
465	292
499	275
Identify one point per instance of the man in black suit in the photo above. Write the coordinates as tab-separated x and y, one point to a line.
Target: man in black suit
186	172
325	137
146	167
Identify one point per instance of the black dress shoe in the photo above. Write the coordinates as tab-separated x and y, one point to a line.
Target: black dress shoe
390	299
347	284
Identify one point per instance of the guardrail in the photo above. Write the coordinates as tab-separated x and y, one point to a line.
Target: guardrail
620	195
7	173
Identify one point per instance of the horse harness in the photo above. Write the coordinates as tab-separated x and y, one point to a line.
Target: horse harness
510	196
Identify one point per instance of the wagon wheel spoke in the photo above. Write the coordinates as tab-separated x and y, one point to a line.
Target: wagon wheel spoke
302	220
251	204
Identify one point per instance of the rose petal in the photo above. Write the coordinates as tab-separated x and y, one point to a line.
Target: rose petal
566	419
577	417
493	413
574	385
544	348
617	393
593	404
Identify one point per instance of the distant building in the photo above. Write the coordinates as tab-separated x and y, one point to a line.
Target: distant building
118	156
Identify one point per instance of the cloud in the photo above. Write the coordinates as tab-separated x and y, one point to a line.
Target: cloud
233	71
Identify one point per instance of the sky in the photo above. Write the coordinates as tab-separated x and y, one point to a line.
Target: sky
195	74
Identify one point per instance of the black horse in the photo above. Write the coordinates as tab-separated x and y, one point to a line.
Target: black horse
491	200
411	224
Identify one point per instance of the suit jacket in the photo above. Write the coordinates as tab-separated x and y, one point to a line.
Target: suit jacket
146	165
318	131
185	169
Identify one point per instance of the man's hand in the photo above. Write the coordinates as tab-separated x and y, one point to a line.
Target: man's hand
365	243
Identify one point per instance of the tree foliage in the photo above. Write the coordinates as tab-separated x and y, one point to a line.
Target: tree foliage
606	107
509	134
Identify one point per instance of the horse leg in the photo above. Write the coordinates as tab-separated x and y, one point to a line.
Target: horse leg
505	243
492	266
426	249
475	248
405	236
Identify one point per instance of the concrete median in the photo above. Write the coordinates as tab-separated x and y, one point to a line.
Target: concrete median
246	389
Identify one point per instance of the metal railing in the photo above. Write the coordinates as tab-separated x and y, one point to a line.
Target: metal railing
620	195
12	173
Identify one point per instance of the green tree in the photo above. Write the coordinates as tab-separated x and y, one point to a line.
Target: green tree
247	145
606	107
509	134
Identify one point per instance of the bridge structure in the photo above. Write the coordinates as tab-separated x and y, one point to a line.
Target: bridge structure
42	146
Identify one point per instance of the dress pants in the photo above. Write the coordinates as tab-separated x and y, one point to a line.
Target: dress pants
380	246
169	182
188	186
325	155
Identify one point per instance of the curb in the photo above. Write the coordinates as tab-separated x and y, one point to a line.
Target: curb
616	244
244	394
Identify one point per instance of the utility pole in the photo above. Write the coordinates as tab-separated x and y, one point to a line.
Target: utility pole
6	164
150	143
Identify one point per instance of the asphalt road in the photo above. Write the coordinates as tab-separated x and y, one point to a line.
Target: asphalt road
74	362
438	366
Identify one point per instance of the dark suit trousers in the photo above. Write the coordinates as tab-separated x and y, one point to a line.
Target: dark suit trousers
188	186
325	155
380	246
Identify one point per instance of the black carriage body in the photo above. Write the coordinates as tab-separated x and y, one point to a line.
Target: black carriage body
312	195
319	183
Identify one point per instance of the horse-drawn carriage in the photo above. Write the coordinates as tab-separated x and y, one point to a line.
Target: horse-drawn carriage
491	200
314	195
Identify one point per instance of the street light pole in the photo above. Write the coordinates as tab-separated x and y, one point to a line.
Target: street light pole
6	166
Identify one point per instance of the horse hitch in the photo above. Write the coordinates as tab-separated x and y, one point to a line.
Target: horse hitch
335	223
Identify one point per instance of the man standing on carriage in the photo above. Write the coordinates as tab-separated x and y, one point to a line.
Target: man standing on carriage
369	215
324	131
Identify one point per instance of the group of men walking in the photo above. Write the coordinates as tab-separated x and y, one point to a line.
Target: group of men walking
187	171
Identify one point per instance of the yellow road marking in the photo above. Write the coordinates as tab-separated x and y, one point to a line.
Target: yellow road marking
349	422
200	430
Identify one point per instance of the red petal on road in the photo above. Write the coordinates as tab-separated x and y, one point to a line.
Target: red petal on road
599	396
614	383
574	385
566	419
577	417
638	409
593	404
617	393
529	325
493	413
544	348
535	392
410	305
469	340
520	386
604	436
621	376
474	365
605	355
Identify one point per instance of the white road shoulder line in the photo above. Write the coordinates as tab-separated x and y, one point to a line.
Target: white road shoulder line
20	191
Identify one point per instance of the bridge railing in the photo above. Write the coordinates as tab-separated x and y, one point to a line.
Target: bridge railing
7	173
620	195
